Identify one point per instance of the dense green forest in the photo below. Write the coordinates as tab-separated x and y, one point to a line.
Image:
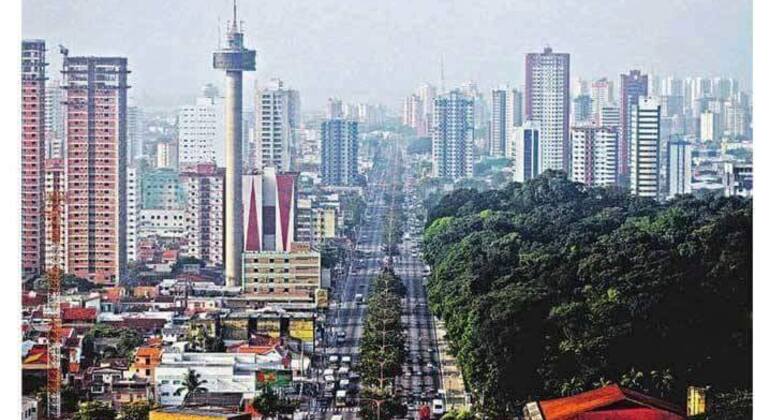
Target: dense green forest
550	288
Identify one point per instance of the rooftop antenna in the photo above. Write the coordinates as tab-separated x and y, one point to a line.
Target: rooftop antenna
219	32
235	15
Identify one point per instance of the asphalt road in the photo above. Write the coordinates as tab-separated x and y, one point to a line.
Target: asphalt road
420	380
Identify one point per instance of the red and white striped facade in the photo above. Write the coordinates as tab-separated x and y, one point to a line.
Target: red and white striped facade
95	166
32	156
268	211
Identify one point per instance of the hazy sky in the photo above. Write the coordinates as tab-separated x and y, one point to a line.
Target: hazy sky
381	50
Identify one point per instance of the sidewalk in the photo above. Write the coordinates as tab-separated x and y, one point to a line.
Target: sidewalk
451	377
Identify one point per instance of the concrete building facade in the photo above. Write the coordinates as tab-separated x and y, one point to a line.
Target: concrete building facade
547	102
33	80
95	168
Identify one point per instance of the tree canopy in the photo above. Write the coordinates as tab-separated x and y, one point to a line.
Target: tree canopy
551	288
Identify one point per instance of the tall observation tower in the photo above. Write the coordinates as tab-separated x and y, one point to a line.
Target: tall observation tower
234	59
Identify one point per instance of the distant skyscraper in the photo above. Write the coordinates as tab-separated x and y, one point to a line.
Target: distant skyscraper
610	117
339	152
582	109
632	86
202	129
95	168
547	102
33	157
277	119
710	127
594	155
736	121
203	185
167	155
133	206
135	133
526	152
453	136
515	108
679	168
427	93
412	115
334	109
602	94
645	148
498	125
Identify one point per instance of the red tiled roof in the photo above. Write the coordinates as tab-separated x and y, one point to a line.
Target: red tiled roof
78	314
609	402
28	300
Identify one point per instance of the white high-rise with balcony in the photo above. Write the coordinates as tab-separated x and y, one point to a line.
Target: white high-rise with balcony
547	102
202	130
645	148
277	118
453	136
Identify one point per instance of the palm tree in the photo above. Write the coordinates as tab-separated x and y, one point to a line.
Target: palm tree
192	384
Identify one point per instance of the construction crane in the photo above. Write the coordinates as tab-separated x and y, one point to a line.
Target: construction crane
53	311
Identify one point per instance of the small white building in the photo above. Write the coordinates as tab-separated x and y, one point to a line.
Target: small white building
223	372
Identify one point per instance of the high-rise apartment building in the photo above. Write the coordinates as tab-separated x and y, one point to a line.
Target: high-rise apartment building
135	133
32	156
582	110
602	94
498	125
339	152
679	168
167	154
609	117
632	86
54	184
710	127
277	118
453	136
95	169
133	207
527	152
427	93
594	155
202	129
334	109
547	103
515	108
413	115
645	148
203	186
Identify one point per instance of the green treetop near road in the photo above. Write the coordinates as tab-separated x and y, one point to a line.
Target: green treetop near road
551	288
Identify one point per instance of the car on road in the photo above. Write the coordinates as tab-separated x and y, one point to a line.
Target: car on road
437	407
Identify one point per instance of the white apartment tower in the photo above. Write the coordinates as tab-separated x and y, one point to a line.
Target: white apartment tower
527	152
498	123
645	148
203	185
202	129
594	155
679	168
547	102
453	136
277	118
133	205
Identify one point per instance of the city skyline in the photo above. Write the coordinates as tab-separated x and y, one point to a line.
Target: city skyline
361	64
